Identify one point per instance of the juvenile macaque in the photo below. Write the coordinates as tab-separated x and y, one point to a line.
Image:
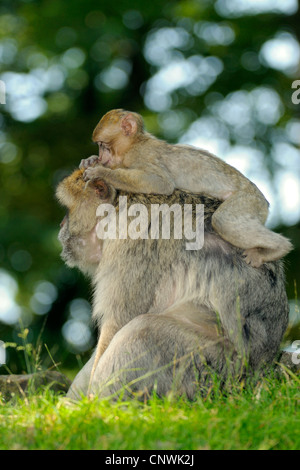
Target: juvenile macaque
134	160
167	314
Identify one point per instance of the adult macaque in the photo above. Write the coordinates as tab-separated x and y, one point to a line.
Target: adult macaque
168	315
134	160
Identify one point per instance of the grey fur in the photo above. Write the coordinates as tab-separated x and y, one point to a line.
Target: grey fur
175	314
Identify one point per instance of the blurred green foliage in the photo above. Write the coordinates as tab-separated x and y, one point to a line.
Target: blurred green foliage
65	64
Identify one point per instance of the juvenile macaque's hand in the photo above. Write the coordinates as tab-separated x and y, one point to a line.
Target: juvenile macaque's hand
88	162
96	172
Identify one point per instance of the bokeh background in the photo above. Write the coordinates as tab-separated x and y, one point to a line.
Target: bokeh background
215	74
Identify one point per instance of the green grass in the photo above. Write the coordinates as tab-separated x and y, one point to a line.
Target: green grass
261	416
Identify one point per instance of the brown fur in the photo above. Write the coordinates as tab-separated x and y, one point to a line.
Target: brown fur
136	161
165	314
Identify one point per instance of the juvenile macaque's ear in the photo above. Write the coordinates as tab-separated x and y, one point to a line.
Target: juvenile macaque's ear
129	124
101	188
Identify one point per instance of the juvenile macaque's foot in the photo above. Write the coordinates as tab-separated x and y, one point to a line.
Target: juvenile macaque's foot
87	162
254	257
92	173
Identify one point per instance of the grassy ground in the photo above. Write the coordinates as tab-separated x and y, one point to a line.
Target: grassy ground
261	416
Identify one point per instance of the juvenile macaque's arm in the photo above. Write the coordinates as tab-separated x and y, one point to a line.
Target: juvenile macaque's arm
133	180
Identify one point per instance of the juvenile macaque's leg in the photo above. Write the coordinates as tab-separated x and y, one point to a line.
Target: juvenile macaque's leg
239	220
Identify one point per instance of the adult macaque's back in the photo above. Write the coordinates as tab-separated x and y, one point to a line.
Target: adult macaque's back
168	316
134	160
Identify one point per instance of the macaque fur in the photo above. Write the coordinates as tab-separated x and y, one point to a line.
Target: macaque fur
167	314
134	160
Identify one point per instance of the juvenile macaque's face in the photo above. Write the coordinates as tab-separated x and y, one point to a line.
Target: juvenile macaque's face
114	135
102	136
105	154
106	135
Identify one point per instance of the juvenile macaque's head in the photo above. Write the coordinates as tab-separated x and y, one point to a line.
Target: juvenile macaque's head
115	133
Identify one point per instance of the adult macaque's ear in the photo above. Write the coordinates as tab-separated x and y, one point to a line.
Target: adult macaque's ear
101	188
129	124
